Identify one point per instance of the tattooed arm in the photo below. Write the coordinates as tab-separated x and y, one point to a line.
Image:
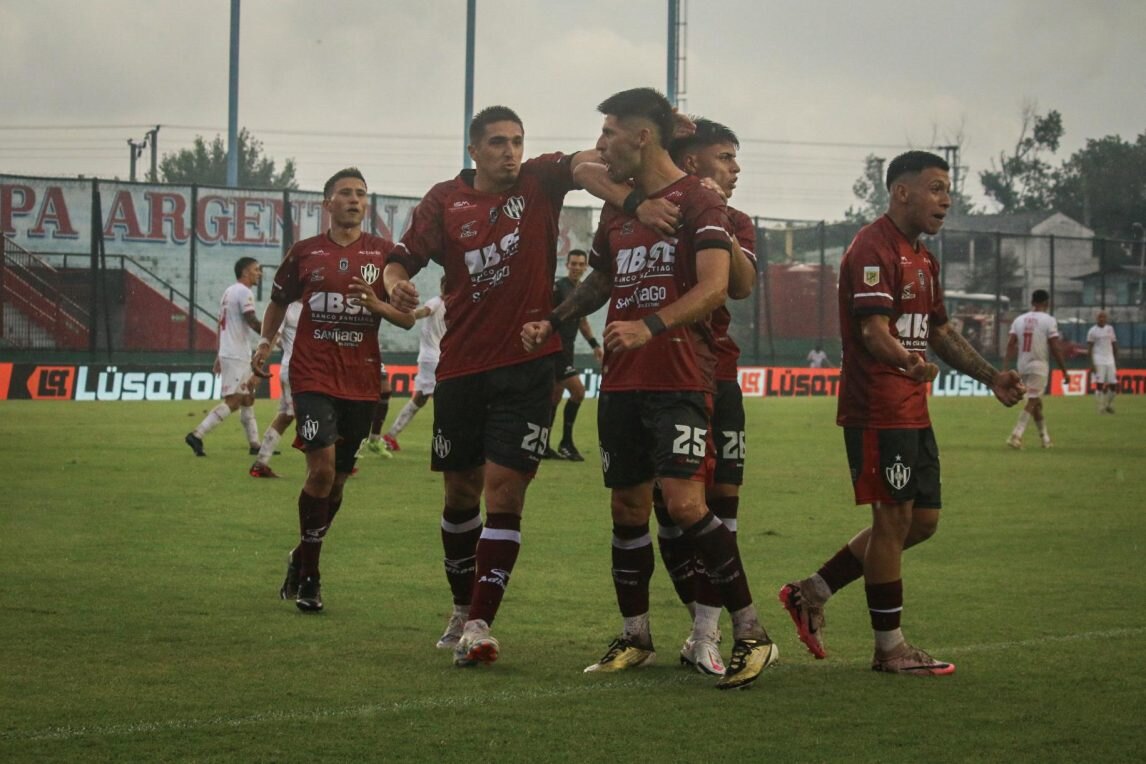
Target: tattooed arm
949	345
589	295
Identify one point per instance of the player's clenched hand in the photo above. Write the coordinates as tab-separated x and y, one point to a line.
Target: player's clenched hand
365	295
404	296
920	370
1008	387
626	335
659	214
259	360
534	334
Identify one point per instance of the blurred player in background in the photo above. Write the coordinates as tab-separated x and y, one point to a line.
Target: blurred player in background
374	443
433	318
891	311
334	367
568	378
494	230
710	153
1034	335
285	415
1102	343
238	325
658	378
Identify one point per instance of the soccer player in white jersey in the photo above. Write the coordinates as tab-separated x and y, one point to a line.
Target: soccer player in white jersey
238	326
1103	345
1034	335
285	415
433	317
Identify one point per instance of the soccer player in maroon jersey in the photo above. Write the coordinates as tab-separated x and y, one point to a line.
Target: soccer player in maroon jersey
710	153
891	310
657	386
494	230
335	367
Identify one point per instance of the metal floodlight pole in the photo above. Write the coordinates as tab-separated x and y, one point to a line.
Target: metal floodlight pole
233	102
673	18
153	140
1142	260
471	23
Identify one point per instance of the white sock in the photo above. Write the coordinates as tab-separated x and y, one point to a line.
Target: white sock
1100	400
1042	424
887	641
1021	425
247	417
212	420
1109	398
706	622
267	449
404	416
637	626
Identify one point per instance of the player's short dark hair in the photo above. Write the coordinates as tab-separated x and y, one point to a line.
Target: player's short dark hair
241	265
708	133
349	172
914	162
1039	296
576	253
645	103
488	116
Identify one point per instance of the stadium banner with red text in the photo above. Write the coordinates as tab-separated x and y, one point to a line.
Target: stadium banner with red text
102	382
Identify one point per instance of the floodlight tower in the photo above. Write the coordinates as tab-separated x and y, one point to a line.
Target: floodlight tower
676	90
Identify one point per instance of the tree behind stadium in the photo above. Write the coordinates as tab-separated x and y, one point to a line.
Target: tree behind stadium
206	164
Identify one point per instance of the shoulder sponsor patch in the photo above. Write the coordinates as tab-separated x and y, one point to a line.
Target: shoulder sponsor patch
871	275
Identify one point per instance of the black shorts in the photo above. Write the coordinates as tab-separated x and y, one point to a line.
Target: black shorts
645	435
728	433
892	466
501	415
323	420
564	368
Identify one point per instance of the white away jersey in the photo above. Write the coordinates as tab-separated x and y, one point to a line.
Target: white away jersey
287	332
235	335
433	327
1033	329
1103	338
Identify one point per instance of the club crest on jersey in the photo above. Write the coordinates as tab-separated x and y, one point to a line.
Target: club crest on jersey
871	275
494	214
627	228
343	264
514	206
897	474
922	279
370	273
308	429
441	446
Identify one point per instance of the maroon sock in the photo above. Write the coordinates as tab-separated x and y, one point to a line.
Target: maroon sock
313	520
495	556
333	505
633	565
676	553
885	604
716	546
841	570
725	508
461	529
381	409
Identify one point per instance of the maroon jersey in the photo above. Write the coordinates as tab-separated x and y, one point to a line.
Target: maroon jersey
336	344
727	351
651	270
499	252
882	273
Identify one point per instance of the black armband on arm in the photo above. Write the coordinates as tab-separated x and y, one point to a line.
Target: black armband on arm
632	201
554	321
593	344
655	323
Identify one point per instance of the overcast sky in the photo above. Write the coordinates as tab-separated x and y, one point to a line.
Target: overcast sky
811	87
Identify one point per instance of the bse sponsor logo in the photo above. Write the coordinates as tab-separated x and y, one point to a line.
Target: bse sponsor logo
51	383
912	329
897	474
514	207
308	429
659	258
478	261
370	273
335	304
441	445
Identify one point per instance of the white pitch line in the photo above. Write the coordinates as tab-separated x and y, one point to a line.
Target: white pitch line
485	698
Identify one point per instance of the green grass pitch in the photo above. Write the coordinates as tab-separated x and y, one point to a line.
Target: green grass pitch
140	619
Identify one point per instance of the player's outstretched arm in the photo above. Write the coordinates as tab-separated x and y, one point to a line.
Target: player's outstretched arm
370	300
875	332
949	345
658	214
590	294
